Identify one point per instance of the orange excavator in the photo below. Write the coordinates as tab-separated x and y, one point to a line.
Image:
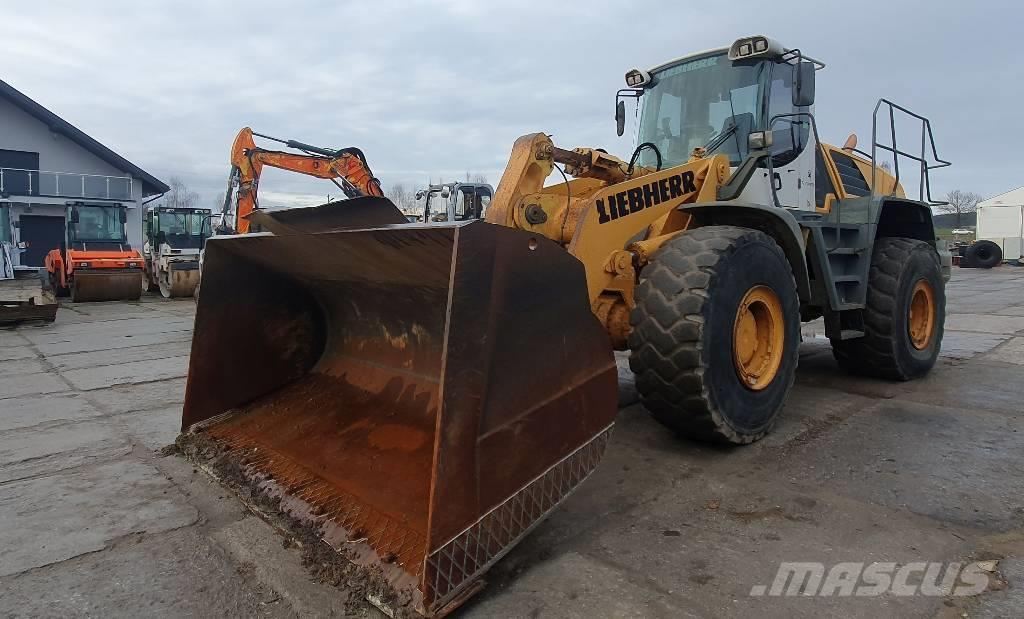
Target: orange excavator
345	167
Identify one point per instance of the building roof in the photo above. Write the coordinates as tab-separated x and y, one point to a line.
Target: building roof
150	184
1014	197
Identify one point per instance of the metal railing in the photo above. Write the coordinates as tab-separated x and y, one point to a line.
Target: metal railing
18	181
927	139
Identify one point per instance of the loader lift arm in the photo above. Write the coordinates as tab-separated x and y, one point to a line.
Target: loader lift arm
346	167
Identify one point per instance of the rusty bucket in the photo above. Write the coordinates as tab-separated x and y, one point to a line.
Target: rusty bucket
422	394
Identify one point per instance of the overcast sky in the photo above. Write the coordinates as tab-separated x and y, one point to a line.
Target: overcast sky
433	90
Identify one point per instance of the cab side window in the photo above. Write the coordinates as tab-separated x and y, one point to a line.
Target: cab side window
790	134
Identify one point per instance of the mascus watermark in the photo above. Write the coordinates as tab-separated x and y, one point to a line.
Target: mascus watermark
925	578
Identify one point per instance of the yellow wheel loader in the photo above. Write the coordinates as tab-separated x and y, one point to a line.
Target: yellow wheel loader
415	398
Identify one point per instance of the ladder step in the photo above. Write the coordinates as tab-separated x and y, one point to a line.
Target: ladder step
846	278
849	334
846	251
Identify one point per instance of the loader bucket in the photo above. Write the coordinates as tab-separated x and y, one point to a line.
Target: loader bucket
423	395
106	285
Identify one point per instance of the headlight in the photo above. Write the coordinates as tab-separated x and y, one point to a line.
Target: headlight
748	47
638	78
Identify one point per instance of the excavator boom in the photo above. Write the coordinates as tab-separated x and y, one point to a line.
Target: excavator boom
346	167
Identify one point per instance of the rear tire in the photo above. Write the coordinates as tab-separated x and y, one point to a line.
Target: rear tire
984	255
704	293
902	271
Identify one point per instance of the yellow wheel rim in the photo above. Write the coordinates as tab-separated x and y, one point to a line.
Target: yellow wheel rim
921	315
758	337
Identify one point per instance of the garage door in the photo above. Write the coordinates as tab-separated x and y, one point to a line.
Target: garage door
40	234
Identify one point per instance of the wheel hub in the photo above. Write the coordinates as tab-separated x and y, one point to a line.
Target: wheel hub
921	315
758	337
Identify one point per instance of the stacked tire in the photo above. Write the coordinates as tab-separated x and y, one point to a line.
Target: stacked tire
981	255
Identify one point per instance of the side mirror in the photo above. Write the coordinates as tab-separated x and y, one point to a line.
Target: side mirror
803	88
123	215
74	215
445	192
760	140
161	237
419	194
620	105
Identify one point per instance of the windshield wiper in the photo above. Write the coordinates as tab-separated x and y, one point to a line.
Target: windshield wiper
720	139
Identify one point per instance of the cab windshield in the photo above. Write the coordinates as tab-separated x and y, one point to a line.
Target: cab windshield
180	229
99	224
701	101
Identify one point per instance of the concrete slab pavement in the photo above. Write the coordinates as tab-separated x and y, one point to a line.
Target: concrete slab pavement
97	522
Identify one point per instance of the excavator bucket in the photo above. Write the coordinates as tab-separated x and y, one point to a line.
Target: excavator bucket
361	212
106	285
419	396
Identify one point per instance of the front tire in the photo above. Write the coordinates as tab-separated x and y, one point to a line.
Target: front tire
715	335
904	314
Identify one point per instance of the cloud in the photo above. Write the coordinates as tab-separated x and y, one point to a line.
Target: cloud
433	90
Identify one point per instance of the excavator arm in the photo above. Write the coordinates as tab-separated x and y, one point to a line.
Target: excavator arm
346	167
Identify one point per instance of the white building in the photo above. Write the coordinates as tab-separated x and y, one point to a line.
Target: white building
1001	220
46	162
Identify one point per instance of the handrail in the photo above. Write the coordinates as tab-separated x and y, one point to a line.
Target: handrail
66	173
32	182
927	138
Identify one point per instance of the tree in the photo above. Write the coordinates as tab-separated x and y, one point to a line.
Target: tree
960	203
398	194
218	202
179	195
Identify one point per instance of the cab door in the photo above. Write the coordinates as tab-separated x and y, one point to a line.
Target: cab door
793	144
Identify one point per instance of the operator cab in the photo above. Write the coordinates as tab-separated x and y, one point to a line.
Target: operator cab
96	226
455	201
734	101
181	228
